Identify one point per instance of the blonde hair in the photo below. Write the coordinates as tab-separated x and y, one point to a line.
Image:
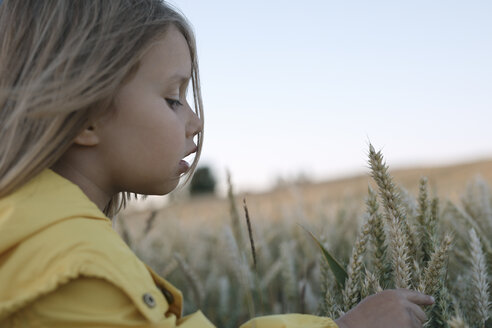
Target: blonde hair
61	63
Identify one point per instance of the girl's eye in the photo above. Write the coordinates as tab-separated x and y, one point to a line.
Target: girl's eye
173	103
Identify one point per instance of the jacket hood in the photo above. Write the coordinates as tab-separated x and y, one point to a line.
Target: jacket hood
51	232
19	221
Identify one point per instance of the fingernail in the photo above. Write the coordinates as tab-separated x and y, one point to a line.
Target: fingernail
432	299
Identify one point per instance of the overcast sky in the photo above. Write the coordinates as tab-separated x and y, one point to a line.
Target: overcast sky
293	86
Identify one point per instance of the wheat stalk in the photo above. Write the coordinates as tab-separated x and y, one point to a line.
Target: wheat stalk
382	269
250	232
288	272
351	295
480	285
423	218
272	272
457	322
398	240
170	267
224	293
370	285
192	278
435	268
235	222
237	265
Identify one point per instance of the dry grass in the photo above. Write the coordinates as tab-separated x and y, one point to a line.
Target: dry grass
447	182
400	238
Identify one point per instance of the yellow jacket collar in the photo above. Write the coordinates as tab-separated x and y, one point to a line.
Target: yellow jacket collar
41	216
18	222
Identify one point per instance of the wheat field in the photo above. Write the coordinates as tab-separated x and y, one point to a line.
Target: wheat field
427	229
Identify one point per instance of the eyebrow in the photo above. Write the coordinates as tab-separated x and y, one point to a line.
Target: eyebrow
179	78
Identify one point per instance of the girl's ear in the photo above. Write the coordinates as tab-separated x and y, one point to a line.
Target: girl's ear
87	138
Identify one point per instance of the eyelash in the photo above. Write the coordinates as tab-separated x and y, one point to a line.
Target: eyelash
173	103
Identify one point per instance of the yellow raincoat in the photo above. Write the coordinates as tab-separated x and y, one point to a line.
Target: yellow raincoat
62	265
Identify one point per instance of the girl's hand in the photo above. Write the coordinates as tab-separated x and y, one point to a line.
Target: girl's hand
388	309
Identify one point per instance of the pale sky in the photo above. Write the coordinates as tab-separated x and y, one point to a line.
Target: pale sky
292	86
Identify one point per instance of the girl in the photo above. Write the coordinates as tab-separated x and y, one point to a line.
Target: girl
93	108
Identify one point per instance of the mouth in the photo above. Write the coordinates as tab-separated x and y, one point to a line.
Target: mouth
184	166
194	150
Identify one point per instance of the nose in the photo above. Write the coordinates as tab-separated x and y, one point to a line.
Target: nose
195	124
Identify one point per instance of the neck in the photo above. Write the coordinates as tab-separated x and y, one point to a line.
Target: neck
86	183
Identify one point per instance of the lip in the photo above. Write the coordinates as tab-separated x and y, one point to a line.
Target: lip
194	150
183	166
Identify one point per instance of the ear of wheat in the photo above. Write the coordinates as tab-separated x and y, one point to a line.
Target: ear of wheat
396	258
419	241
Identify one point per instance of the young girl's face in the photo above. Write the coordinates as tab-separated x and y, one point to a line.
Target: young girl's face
144	143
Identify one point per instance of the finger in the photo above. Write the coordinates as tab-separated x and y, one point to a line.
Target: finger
415	322
418	312
416	297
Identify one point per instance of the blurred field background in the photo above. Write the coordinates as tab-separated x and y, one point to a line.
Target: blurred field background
314	198
197	244
292	93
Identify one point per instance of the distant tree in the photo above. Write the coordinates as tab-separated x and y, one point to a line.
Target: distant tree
202	182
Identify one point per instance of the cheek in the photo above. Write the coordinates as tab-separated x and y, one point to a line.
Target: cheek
147	138
166	143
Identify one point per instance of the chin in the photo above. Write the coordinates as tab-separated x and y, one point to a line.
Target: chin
166	187
157	187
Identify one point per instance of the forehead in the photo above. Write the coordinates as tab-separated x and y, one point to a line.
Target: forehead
168	58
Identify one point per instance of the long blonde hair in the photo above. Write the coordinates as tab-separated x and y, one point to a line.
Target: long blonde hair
61	63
